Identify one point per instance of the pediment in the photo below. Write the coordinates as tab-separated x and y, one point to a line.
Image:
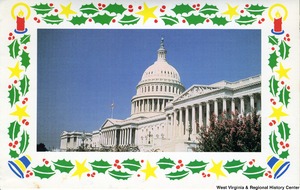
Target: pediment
194	91
109	123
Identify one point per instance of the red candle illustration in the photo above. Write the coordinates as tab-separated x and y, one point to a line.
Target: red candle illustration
21	22
278	23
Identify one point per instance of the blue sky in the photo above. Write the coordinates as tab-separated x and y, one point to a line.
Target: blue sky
81	72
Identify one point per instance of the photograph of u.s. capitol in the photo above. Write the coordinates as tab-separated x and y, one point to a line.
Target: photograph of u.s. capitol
218	110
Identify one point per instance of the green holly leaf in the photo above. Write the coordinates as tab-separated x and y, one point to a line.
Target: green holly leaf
24	85
183	8
129	20
43	172
169	20
234	166
256	9
42	9
177	175
284	50
245	20
100	166
273	85
14	49
165	163
220	21
132	165
119	175
25	39
24	142
273	60
115	8
209	9
13	154
254	172
196	166
63	166
14	130
284	96
273	40
89	9
273	142
284	154
14	95
195	19
53	19
78	20
103	19
25	59
284	130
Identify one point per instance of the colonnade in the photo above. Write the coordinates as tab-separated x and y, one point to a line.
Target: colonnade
148	105
186	118
115	137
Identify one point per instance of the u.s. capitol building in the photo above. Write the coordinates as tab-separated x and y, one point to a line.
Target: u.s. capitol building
165	115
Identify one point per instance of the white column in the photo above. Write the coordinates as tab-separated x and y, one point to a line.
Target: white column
252	101
242	105
163	105
121	136
200	115
143	105
216	108
130	135
132	107
175	124
180	123
232	107
186	120
207	114
116	137
193	122
152	105
224	104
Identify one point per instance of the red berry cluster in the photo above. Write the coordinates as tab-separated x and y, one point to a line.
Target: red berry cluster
13	144
51	4
90	19
101	6
282	82
116	164
29	173
25	100
180	164
45	161
140	7
113	20
25	122
273	101
247	5
287	38
283	146
207	20
261	21
37	20
142	161
268	174
204	175
163	8
288	87
251	162
196	6
183	21
273	122
242	11
11	36
155	21
91	174
272	48
130	8
10	86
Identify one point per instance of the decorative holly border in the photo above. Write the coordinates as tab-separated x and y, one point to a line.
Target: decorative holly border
123	15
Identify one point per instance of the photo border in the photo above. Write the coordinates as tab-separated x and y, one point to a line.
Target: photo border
277	128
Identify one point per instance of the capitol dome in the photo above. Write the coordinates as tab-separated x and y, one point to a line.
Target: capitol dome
160	83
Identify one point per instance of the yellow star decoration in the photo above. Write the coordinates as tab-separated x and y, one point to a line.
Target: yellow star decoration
66	10
278	113
216	169
15	71
231	11
80	169
147	12
283	71
20	112
149	170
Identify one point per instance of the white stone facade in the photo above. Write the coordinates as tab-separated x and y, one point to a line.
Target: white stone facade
164	115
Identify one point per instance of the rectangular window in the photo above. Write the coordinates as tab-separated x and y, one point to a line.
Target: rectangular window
68	139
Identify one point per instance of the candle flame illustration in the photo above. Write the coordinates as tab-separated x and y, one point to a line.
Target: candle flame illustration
278	15
21	13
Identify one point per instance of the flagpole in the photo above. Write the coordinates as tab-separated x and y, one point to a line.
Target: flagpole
112	110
